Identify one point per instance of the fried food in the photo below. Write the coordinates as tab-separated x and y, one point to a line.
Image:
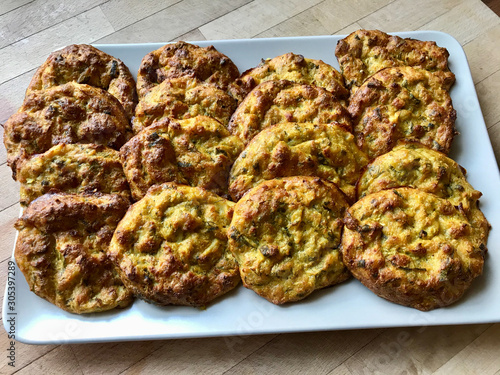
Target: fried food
402	103
274	102
86	64
411	248
70	113
290	149
291	67
181	98
72	168
62	250
198	151
171	246
184	59
414	165
365	52
285	235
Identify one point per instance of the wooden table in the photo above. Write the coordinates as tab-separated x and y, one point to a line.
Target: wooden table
29	30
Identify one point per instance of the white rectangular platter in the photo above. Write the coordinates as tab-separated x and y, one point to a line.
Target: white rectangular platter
346	306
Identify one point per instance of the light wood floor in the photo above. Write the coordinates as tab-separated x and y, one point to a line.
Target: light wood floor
29	30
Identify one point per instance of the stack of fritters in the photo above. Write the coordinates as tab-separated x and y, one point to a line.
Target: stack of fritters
62	146
400	90
416	235
284	141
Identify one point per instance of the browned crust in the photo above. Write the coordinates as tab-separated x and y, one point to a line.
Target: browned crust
197	152
273	102
181	98
403	102
285	235
411	247
171	246
294	68
72	168
364	52
327	151
62	251
86	64
70	113
184	59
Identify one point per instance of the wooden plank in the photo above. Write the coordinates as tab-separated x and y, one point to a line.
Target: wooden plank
480	357
488	92
10	188
121	13
302	24
8	217
25	21
11	98
84	28
305	353
340	370
172	22
494	133
254	18
418	349
403	15
336	15
465	21
199	356
112	358
494	5
193	35
482	54
349	29
9	5
24	354
60	360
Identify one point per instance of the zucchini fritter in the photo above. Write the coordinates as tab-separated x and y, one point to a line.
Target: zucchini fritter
198	151
62	250
291	67
181	98
411	247
414	165
171	246
86	64
402	103
70	113
274	102
184	59
72	168
365	52
285	235
324	150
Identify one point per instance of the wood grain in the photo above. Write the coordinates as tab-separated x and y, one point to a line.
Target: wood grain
30	30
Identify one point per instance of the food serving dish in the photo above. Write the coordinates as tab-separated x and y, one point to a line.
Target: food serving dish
241	312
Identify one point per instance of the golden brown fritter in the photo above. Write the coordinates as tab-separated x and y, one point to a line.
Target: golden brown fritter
86	64
285	235
402	103
171	246
274	102
411	247
414	165
198	151
62	250
365	52
184	59
294	68
181	98
72	168
290	149
70	113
